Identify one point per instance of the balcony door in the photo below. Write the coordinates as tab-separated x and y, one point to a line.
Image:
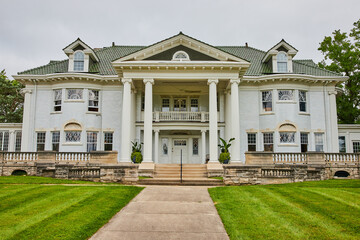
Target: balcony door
180	104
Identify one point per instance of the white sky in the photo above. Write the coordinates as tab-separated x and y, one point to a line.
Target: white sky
34	32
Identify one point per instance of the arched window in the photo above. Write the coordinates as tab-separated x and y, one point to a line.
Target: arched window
79	61
282	62
72	132
181	56
287	133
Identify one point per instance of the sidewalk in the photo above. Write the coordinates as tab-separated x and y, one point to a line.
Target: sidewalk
166	212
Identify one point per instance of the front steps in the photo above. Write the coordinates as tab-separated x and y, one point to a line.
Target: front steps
192	174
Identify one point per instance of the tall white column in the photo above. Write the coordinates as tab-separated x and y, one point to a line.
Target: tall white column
11	143
333	122
156	146
227	114
203	146
213	129
148	112
235	124
125	153
26	129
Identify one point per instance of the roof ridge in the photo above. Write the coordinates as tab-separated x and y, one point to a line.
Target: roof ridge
45	65
232	46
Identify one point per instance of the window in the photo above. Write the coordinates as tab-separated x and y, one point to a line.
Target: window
179	105
304	139
194	105
319	142
55	141
4	141
72	132
74	94
268	142
195	146
93	101
282	62
72	136
267	101
17	141
108	141
91	141
286	95
342	145
40	140
179	142
287	137
302	101
79	61
356	147
165	105
165	146
251	142
57	100
181	56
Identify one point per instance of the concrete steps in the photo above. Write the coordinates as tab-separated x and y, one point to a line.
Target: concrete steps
169	174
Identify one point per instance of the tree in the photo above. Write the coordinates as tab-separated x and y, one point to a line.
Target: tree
11	100
343	52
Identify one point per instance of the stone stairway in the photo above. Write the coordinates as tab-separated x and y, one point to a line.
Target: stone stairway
192	174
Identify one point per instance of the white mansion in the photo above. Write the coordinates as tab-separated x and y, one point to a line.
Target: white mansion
179	96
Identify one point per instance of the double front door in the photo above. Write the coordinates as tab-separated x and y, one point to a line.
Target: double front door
180	151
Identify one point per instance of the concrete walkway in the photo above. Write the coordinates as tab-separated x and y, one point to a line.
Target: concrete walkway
166	212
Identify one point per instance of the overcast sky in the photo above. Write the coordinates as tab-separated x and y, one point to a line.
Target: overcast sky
32	32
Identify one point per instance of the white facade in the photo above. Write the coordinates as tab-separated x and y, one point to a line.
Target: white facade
179	105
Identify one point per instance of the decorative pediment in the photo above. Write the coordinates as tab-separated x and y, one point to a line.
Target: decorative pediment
197	51
280	46
78	44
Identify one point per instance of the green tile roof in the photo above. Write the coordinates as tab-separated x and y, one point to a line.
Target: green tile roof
107	55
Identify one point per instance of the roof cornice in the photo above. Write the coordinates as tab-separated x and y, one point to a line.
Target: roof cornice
294	77
66	76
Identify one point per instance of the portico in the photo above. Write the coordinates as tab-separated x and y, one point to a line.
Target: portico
180	104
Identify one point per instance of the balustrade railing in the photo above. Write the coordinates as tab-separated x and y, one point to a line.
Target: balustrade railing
20	156
341	157
72	157
181	116
289	157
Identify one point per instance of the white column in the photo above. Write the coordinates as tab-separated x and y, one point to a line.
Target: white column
222	107
235	123
203	146
156	146
125	121
213	129
148	112
25	138
333	123
11	146
138	107
227	115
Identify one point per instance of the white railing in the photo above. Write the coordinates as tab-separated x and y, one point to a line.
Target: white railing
72	157
181	116
289	157
20	156
341	157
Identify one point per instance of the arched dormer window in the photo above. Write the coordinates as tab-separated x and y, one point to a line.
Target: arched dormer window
181	56
282	62
79	61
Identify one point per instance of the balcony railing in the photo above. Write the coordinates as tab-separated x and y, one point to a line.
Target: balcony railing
181	116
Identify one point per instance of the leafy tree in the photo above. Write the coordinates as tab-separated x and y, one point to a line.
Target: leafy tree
11	100
342	50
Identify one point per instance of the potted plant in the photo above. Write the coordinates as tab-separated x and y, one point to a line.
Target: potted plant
225	154
136	155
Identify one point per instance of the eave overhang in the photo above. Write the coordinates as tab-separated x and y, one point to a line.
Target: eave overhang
294	78
57	77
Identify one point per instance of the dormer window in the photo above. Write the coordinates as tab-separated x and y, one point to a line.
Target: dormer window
181	56
282	62
79	61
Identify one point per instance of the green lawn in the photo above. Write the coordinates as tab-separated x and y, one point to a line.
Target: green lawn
310	210
34	211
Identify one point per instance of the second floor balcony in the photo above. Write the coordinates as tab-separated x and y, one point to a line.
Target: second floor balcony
181	116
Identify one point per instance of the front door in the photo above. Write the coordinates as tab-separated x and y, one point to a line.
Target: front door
180	148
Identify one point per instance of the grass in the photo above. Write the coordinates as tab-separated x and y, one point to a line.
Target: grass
310	210
30	210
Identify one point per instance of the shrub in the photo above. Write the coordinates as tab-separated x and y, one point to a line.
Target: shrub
224	156
138	157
